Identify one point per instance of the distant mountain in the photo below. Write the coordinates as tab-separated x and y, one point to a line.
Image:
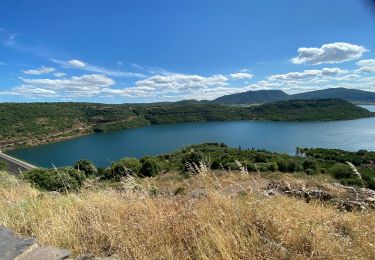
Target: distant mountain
353	95
253	97
267	96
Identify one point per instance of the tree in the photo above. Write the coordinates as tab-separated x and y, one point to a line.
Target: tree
86	167
150	166
132	164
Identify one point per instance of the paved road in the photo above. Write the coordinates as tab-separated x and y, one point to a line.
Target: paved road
15	165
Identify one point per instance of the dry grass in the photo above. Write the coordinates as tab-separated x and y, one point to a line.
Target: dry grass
135	225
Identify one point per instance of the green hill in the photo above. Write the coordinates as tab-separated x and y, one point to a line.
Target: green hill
310	110
353	95
267	96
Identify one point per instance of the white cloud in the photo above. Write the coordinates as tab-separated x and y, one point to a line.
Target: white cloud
308	74
177	86
77	64
329	53
182	82
366	66
33	92
59	74
40	71
241	75
76	86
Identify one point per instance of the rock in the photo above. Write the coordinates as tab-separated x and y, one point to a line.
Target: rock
199	193
12	245
46	253
271	192
353	206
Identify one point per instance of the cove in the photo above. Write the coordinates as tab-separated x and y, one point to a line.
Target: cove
284	137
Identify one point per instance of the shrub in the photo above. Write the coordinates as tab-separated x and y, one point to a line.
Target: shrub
86	167
260	157
251	167
289	165
309	164
231	166
132	164
267	167
216	164
341	171
192	158
368	175
3	165
115	172
62	179
150	167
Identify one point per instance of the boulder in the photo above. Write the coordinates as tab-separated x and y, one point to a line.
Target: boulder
12	245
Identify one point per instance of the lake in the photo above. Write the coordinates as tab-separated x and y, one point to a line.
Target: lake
103	148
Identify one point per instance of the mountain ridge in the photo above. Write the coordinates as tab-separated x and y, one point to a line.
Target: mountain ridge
267	96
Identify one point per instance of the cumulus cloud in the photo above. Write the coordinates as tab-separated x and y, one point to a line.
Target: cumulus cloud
241	75
174	85
77	64
76	86
40	71
182	82
337	52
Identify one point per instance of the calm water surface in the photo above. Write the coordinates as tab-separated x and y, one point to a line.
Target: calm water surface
156	139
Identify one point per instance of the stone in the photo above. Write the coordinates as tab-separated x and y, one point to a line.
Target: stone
12	245
46	253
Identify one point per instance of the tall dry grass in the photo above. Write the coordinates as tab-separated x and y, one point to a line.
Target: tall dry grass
136	225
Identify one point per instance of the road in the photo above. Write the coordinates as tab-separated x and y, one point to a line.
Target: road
16	166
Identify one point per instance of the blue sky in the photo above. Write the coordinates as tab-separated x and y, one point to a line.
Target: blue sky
144	51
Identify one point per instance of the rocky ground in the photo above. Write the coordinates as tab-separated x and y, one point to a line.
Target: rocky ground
15	247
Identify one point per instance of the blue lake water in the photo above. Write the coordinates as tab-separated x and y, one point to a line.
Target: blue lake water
104	148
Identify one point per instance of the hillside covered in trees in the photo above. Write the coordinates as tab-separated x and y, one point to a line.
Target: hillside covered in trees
25	124
267	96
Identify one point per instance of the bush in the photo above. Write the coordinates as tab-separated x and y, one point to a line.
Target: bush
309	164
341	171
260	158
216	164
267	167
192	158
251	167
289	165
132	164
62	179
368	175
150	167
3	165
116	171
86	167
231	166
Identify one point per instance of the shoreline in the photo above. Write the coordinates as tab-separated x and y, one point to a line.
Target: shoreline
91	130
